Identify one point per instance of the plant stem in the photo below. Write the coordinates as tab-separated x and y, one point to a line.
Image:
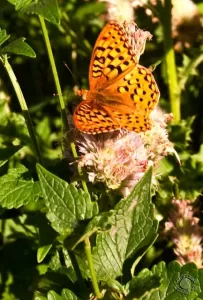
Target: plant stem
91	267
23	106
173	87
59	92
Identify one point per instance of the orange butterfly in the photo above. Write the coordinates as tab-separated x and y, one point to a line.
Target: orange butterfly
122	93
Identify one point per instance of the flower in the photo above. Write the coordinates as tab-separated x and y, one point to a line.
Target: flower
136	37
185	233
121	158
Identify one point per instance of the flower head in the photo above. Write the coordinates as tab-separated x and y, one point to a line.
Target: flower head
121	158
185	232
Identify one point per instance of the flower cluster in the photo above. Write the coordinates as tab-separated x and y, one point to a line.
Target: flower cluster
185	233
121	158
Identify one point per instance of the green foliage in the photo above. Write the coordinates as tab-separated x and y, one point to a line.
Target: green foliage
63	238
17	46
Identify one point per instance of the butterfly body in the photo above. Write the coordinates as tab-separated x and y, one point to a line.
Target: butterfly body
122	93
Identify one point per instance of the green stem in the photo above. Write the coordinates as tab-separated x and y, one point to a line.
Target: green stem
173	87
24	107
59	92
52	62
91	268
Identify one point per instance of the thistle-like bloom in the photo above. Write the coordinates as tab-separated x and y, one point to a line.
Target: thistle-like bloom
185	233
121	158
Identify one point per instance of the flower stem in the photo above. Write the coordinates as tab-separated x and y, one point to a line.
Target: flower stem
173	87
23	106
91	267
59	92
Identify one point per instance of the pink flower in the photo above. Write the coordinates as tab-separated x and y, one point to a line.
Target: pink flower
121	158
185	233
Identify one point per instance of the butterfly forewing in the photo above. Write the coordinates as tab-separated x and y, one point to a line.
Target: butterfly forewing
111	57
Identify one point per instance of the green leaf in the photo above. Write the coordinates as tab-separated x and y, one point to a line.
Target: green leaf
46	238
88	8
188	69
17	188
176	283
133	229
68	295
52	295
3	36
48	9
40	297
8	152
145	282
18	47
19	3
66	204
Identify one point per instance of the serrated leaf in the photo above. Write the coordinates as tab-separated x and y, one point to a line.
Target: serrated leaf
18	47
180	283
66	204
48	9
17	188
68	295
3	36
133	228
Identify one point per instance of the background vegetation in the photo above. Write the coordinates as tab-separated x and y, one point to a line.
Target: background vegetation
45	250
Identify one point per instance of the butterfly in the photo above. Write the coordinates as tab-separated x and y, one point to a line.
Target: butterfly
122	93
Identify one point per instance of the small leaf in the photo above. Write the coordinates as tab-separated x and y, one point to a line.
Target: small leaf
52	295
66	204
68	295
17	188
3	36
18	47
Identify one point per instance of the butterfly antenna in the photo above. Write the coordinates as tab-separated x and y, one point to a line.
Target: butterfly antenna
73	75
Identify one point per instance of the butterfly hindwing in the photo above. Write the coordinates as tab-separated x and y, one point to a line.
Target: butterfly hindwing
92	118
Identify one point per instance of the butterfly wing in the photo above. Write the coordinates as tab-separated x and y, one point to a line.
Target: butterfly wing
137	94
92	118
112	57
